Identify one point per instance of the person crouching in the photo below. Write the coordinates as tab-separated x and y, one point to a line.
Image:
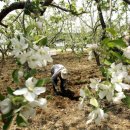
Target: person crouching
58	71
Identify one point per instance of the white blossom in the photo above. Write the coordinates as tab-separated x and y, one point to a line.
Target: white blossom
126	52
23	57
19	45
83	95
94	84
20	73
118	77
35	56
118	97
28	112
96	116
39	24
41	102
38	57
120	86
106	91
117	69
5	106
31	91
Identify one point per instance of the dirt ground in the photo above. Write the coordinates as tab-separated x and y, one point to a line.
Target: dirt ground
62	112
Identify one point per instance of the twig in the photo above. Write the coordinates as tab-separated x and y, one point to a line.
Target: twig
67	10
18	16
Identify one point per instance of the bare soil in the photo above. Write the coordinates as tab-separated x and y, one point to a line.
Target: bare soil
62	112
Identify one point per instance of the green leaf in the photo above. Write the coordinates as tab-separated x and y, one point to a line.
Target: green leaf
119	43
21	121
127	100
7	119
111	31
29	73
126	60
107	62
18	100
10	90
116	54
94	102
30	28
15	76
104	71
2	97
40	82
105	40
42	41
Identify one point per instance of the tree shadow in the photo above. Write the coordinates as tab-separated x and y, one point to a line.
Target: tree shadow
70	94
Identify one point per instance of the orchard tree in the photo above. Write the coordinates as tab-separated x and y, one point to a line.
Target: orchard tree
36	25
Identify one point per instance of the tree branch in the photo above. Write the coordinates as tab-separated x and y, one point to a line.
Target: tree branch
127	1
101	19
100	15
7	10
67	10
19	5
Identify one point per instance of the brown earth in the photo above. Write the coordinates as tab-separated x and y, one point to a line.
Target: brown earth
62	112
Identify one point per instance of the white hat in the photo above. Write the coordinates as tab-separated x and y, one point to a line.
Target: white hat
64	73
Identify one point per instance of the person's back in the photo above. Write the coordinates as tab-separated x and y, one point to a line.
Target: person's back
59	71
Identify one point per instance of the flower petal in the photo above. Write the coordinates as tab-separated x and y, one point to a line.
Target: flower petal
28	112
42	102
5	106
82	93
125	86
118	87
30	96
39	90
20	91
102	94
29	82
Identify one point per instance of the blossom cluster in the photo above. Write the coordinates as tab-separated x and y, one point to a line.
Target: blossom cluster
34	55
112	90
28	100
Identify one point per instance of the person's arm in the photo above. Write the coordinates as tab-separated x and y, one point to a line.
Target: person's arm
54	77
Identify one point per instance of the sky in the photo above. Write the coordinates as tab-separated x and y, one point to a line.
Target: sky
1	4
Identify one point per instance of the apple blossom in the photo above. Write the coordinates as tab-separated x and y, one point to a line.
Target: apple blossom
83	95
28	112
106	91
41	102
96	115
120	86
118	96
18	45
126	52
20	74
117	68
5	106
94	84
31	91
